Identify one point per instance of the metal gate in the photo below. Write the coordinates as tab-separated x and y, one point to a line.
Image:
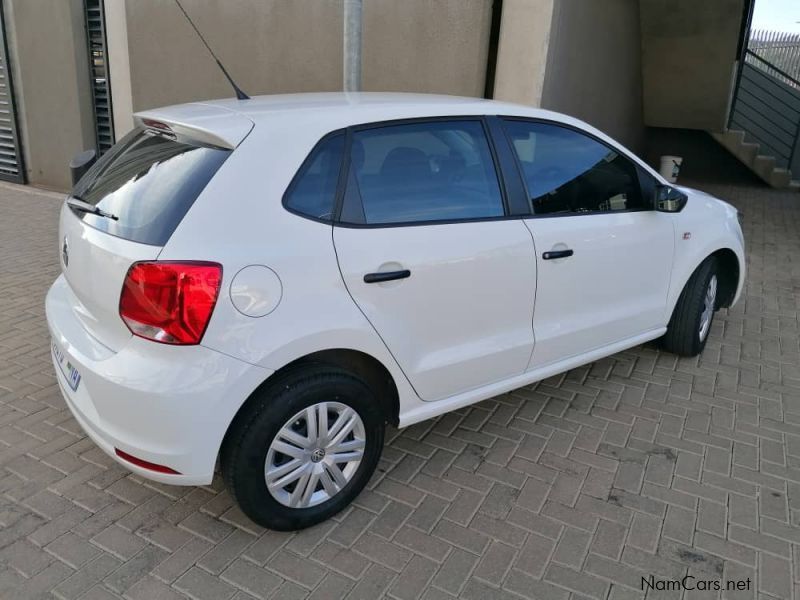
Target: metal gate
11	163
98	72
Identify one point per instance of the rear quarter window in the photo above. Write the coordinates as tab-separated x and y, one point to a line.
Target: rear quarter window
313	190
149	181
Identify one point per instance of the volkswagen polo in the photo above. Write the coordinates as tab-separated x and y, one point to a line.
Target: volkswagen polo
264	284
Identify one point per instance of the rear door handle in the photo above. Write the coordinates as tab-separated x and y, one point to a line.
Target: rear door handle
386	276
557	254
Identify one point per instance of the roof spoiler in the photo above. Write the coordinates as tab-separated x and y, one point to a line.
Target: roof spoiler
205	123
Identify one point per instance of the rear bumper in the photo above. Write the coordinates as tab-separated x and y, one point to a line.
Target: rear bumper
168	405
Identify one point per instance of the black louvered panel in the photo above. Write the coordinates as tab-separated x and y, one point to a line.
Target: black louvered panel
98	67
11	168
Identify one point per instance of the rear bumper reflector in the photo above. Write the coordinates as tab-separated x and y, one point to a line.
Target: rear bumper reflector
144	464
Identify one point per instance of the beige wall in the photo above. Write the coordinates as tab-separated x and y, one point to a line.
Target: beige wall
275	46
49	62
688	61
435	46
594	67
525	29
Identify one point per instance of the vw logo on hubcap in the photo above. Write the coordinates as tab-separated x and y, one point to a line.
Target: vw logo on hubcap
317	455
65	252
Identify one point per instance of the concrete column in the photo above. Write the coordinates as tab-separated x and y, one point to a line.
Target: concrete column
50	65
522	53
119	66
689	61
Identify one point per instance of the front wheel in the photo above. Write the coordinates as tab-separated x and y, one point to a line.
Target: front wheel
688	329
303	448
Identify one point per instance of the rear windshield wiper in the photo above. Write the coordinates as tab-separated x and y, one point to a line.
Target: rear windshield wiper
82	206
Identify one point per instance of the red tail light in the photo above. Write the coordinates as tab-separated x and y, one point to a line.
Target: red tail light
170	302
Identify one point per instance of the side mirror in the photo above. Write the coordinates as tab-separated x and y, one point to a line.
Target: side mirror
669	199
81	163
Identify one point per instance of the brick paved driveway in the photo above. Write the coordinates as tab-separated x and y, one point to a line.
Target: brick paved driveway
576	487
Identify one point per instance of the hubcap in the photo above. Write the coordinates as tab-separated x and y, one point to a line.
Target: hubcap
708	307
315	454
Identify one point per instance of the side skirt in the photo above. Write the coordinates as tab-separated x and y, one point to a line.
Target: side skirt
428	410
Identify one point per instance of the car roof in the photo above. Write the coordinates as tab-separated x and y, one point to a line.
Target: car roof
352	105
230	119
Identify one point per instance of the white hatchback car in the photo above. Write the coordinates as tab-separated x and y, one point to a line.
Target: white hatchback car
269	282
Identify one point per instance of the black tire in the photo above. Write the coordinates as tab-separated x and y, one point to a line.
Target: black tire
683	331
244	452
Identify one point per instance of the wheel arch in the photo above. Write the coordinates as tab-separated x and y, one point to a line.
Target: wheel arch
729	274
365	366
730	271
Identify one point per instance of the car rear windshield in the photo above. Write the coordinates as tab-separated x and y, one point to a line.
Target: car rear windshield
149	180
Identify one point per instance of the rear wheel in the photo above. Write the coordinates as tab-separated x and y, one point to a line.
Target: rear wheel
303	448
688	329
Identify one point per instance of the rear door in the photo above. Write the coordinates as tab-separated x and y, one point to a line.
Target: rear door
148	181
430	257
604	255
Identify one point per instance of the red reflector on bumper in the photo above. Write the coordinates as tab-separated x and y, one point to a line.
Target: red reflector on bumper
145	464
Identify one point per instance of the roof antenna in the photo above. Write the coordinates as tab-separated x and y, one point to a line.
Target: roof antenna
239	93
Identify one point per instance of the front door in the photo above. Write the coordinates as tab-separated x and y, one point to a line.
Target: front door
446	280
604	256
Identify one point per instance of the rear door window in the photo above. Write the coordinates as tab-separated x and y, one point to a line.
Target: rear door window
149	181
425	172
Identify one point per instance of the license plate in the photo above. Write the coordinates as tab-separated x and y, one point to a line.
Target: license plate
70	373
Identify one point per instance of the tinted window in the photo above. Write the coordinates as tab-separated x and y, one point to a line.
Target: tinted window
568	172
149	181
313	191
436	171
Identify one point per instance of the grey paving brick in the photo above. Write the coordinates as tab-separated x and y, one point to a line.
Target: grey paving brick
461	537
572	547
578	581
178	562
150	589
775	576
296	568
333	556
199	585
645	531
25	557
410	584
226	551
495	563
499	530
535	555
712	517
134	569
373	584
679	524
333	586
455	571
72	550
609	539
117	541
759	541
86	577
379	550
428	513
724	548
251	578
